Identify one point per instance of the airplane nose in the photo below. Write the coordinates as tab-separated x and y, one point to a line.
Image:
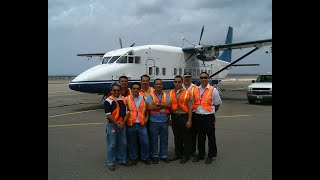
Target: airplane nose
74	86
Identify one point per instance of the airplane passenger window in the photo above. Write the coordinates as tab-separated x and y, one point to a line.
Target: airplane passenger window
184	71
130	59
105	60
209	72
137	60
175	71
113	59
180	71
198	72
157	71
163	71
150	71
122	59
194	72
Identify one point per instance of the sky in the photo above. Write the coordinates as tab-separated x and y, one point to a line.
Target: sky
94	26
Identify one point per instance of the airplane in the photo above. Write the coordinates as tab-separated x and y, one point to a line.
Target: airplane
161	61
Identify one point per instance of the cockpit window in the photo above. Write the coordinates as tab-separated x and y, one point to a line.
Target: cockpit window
113	59
105	60
122	59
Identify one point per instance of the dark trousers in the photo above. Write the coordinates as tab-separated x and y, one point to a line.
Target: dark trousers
194	133
206	127
182	135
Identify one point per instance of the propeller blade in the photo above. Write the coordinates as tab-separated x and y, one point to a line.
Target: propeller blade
132	44
201	34
190	56
120	42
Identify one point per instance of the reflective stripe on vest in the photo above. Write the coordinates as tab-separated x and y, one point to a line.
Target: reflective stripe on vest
182	102
115	113
156	100
145	94
196	95
206	99
133	112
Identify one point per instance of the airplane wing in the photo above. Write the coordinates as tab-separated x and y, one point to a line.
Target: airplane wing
247	44
91	55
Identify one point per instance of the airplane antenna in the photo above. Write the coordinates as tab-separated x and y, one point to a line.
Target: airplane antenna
185	39
120	42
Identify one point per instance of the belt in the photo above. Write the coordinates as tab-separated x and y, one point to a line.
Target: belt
179	114
204	114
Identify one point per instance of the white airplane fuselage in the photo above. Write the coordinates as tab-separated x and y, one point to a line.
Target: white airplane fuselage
157	61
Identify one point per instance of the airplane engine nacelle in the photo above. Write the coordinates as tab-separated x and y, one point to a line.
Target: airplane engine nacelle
209	57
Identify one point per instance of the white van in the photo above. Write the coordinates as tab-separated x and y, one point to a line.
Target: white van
261	89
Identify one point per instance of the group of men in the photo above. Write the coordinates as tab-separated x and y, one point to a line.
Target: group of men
138	118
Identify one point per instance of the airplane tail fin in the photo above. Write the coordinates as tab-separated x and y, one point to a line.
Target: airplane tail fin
226	54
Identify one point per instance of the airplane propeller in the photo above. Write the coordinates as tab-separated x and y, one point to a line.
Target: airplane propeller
198	43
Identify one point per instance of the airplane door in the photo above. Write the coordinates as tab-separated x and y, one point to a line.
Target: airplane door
150	67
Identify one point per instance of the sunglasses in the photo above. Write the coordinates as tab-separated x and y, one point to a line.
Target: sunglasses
203	77
116	90
177	81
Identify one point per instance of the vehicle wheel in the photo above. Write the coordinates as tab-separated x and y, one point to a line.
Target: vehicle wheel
251	101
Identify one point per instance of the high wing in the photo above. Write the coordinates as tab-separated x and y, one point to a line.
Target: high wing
247	44
91	55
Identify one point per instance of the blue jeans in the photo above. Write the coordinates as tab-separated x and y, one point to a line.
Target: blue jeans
159	128
116	144
134	132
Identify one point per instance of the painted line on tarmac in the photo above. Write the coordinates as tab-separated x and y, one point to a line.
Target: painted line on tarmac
84	124
72	113
66	125
232	116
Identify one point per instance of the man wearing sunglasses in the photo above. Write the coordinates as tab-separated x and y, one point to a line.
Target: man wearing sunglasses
205	116
115	110
181	115
194	90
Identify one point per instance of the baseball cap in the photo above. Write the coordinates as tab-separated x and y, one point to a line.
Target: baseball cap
187	73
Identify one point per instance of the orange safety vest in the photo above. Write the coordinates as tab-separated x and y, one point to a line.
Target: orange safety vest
156	100
116	111
144	94
182	102
134	112
206	99
196	95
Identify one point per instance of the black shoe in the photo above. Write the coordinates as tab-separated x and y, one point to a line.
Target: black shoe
134	162
165	160
147	161
193	154
155	160
111	167
184	160
127	163
197	158
175	158
209	160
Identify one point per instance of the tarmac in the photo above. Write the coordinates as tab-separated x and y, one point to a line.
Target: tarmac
77	147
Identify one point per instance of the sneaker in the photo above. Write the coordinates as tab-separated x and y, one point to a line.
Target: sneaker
111	167
125	164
